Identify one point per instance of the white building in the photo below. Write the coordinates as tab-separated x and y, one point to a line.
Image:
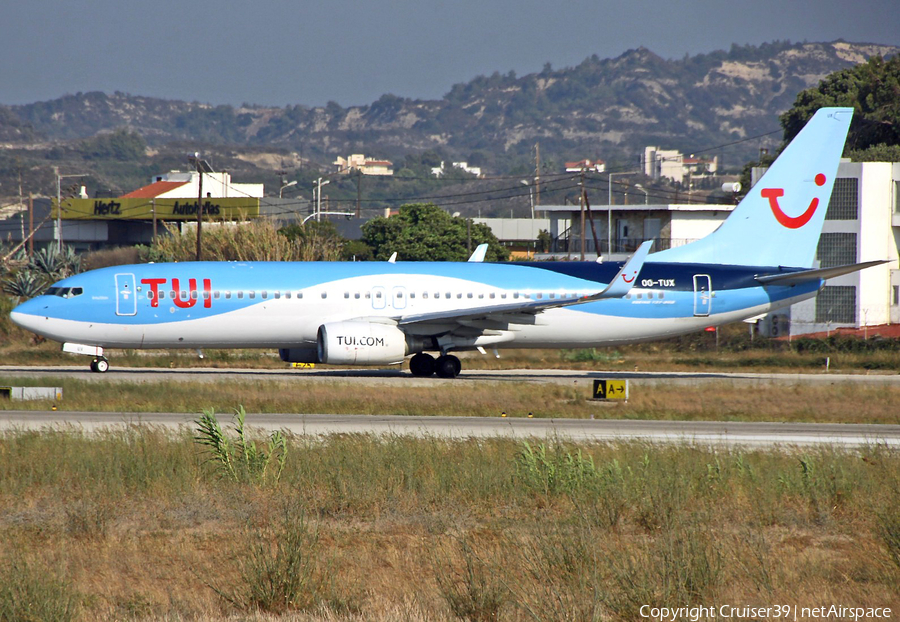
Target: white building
438	171
862	224
659	163
592	166
179	185
366	166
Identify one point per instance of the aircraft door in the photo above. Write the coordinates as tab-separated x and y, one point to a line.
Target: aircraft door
398	299
126	295
378	297
702	295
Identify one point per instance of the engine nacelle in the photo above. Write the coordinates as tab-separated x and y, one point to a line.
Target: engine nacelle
299	355
360	343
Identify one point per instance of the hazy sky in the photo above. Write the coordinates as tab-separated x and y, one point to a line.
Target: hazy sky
279	52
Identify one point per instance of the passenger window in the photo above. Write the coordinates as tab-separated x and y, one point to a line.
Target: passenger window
492	295
469	295
368	295
447	295
227	295
324	294
194	294
265	294
277	295
482	296
162	294
252	293
347	295
216	294
640	296
240	294
662	295
150	294
287	295
503	295
205	295
356	295
378	294
299	294
425	295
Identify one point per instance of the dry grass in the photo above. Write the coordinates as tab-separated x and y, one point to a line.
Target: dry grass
711	401
135	526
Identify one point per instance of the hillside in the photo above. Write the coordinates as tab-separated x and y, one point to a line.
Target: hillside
608	108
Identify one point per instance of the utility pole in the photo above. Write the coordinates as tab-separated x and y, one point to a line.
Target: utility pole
30	224
358	194
537	173
581	203
199	207
590	214
153	209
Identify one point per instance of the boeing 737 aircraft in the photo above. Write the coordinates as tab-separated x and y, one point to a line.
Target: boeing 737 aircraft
760	259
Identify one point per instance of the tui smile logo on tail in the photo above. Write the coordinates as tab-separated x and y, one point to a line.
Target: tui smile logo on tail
791	222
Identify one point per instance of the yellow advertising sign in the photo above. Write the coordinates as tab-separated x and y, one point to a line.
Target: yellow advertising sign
233	208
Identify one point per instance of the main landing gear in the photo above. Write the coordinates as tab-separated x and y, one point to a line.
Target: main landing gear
424	365
99	365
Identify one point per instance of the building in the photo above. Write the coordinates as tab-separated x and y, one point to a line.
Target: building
439	171
624	227
136	217
673	165
366	166
862	224
590	166
179	185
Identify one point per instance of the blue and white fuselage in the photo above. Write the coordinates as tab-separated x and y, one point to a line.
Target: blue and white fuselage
282	305
377	313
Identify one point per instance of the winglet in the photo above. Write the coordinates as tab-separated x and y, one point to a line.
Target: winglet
625	279
479	253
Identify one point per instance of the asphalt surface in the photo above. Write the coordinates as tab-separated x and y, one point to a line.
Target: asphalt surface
690	432
705	433
394	376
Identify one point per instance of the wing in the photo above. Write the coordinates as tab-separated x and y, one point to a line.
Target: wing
524	311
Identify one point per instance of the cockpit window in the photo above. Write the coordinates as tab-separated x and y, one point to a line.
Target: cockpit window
64	292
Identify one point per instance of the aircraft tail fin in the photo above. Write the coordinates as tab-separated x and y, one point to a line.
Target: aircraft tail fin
779	221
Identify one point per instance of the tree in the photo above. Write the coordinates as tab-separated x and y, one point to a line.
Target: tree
425	232
872	89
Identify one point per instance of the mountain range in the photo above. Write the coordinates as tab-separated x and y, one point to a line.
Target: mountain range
601	108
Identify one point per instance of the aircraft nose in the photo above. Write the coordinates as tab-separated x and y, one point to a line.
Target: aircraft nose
28	315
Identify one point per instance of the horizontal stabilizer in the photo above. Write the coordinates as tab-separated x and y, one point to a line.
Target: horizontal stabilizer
804	276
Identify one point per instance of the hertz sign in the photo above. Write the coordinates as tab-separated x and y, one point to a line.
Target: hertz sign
234	208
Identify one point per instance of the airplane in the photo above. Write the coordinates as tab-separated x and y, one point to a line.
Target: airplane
377	313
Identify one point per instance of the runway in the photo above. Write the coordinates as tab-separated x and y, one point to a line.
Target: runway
701	433
396	377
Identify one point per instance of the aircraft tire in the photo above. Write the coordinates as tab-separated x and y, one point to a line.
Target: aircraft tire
422	365
94	366
100	366
447	366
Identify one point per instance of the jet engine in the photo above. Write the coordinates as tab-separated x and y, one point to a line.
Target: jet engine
360	343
